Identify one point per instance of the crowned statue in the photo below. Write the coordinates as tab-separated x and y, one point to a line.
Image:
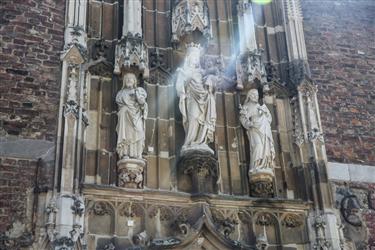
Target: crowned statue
197	104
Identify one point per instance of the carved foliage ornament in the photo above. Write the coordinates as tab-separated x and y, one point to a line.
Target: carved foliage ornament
321	242
131	210
292	221
244	217
131	177
64	243
225	224
262	189
16	237
78	206
265	219
297	123
101	208
164	213
109	246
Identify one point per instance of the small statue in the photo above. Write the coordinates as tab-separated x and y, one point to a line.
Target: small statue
131	118
197	102
256	119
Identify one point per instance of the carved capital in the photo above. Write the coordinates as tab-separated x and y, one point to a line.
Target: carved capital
130	173
261	184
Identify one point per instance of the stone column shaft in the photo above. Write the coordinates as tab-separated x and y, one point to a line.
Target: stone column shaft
246	27
132	17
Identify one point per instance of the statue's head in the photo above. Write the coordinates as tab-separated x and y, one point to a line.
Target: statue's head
253	95
129	80
193	55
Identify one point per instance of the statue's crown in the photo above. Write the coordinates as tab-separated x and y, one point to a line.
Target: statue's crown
193	47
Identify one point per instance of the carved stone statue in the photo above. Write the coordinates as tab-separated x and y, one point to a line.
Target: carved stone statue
131	118
256	119
197	102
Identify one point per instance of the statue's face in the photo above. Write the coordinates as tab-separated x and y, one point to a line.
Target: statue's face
253	95
130	80
192	59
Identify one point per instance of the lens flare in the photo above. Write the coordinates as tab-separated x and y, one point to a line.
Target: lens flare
262	1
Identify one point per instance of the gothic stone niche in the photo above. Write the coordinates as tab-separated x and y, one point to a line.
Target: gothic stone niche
246	227
101	218
225	224
160	218
293	228
189	16
131	218
202	167
131	52
266	223
250	70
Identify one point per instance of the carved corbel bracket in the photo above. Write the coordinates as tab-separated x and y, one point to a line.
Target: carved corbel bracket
130	173
202	167
250	69
189	16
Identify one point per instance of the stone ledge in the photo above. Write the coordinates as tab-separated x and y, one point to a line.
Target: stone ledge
351	172
27	149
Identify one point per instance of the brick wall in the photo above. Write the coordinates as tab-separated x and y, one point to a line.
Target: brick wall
31	37
340	42
20	179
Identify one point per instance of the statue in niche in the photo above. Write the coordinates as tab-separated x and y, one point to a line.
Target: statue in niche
256	119
131	118
197	104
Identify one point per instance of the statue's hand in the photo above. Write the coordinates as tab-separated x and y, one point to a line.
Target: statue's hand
140	95
249	124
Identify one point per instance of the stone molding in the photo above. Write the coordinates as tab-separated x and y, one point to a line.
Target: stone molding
351	172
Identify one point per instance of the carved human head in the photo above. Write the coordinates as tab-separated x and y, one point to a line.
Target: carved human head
193	55
129	80
253	95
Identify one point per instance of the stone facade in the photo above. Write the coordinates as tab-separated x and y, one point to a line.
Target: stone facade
64	184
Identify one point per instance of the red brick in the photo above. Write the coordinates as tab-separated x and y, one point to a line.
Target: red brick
334	34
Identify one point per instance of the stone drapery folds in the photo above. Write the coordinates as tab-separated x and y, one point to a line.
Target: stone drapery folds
131	118
197	102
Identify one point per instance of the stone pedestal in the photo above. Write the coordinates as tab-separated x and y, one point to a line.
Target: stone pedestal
261	183
130	173
202	166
